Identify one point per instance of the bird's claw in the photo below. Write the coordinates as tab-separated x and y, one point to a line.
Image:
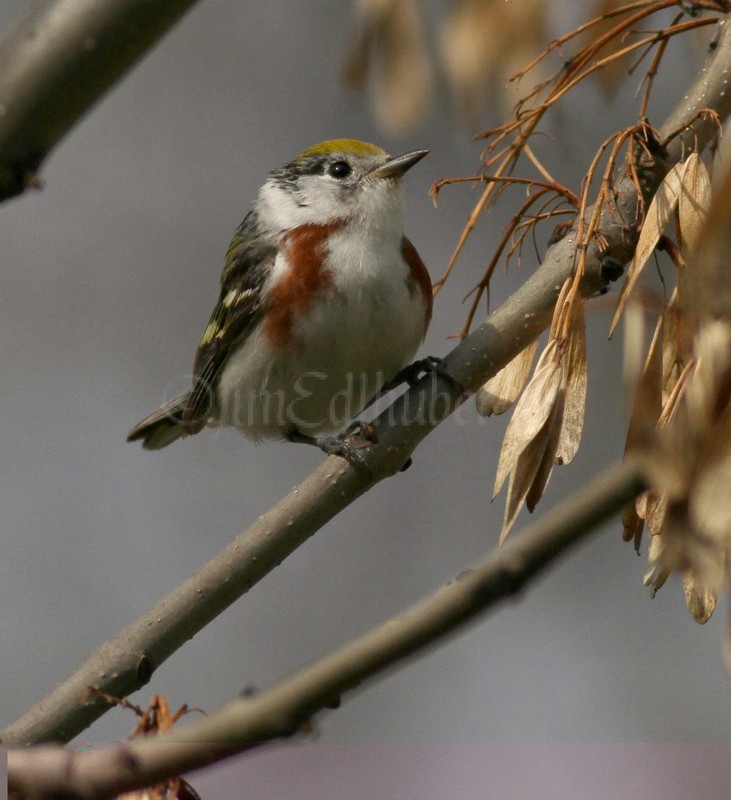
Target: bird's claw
433	365
347	444
363	432
413	373
612	270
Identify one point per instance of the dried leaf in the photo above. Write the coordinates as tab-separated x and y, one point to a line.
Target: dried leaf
657	573
522	478
647	402
391	39
172	789
574	356
632	525
531	413
466	60
685	550
709	505
648	508
668	469
549	458
675	535
534	465
700	599
708	419
634	357
677	350
482	42
704	285
656	507
706	393
504	388
661	209
645	407
358	58
695	200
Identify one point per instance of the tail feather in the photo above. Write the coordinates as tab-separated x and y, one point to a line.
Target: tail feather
163	426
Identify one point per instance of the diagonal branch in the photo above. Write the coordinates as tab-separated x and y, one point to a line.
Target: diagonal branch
283	709
57	61
126	662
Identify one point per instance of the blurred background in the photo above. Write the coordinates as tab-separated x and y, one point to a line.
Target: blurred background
109	275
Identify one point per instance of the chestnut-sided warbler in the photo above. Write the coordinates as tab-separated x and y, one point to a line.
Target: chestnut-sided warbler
323	301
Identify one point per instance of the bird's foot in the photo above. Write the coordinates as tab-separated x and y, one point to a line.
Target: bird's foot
413	373
347	444
611	270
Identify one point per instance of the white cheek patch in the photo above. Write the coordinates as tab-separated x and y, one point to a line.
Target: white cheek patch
283	209
278	209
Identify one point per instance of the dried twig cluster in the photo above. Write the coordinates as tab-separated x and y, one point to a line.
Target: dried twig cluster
684	369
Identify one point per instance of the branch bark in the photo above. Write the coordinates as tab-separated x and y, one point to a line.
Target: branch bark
284	708
57	62
126	662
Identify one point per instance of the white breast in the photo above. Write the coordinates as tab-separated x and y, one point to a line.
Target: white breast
367	327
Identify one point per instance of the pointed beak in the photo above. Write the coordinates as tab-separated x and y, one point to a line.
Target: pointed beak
397	166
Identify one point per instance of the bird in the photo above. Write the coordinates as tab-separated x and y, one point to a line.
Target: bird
323	303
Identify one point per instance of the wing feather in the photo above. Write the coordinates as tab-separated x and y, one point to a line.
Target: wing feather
249	260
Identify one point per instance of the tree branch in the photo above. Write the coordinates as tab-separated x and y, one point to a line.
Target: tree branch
126	662
284	708
57	62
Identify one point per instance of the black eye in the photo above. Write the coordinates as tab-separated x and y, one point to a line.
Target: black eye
340	169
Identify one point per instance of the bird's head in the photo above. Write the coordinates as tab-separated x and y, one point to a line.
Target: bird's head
340	179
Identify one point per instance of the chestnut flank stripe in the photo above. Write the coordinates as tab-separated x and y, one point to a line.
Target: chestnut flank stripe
305	248
420	275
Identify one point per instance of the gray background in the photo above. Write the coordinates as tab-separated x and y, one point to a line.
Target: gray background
109	275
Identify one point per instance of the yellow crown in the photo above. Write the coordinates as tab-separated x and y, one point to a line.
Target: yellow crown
353	146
